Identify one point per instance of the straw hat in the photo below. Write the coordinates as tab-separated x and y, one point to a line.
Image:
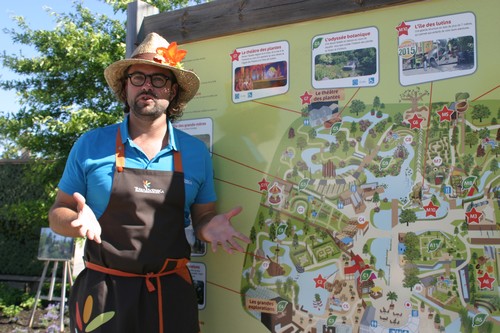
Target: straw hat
155	50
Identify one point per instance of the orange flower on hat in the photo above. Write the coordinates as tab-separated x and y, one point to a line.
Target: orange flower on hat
170	56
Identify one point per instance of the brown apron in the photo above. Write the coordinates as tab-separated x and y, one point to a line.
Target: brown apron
137	280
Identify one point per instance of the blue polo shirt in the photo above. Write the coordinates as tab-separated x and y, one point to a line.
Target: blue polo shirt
91	165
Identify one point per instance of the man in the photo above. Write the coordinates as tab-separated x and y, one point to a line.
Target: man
131	189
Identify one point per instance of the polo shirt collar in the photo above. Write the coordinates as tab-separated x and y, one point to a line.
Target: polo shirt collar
172	135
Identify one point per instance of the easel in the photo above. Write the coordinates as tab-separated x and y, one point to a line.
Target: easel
46	253
67	277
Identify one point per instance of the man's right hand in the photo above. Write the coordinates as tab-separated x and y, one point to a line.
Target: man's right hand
86	221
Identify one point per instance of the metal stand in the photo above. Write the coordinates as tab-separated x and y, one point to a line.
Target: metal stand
67	276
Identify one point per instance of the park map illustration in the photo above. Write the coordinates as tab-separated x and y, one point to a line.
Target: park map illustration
377	216
339	241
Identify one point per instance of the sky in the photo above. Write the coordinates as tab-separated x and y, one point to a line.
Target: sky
37	18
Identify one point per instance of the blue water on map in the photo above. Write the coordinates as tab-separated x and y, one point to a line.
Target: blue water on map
454	326
305	280
402	183
383	219
404	180
379	249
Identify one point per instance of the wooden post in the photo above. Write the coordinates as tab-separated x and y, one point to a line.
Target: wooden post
136	11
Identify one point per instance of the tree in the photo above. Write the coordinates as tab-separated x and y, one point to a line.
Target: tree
62	90
468	161
494	165
398	118
392	296
437	319
272	232
471	139
376	198
483	133
454	136
465	320
480	111
354	128
261	220
295	240
288	231
62	93
345	147
162	5
407	216
411	277
412	243
376	103
301	142
414	96
357	106
253	234
312	134
341	136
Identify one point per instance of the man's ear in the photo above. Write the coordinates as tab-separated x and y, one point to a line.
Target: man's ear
174	89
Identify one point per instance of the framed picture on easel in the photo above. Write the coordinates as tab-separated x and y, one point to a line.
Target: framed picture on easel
54	247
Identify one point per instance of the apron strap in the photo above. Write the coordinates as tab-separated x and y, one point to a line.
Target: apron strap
120	152
179	269
120	155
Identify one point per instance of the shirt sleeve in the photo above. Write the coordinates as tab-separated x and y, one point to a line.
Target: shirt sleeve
206	192
73	178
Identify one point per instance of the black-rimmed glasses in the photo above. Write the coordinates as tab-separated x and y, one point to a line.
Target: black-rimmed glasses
157	80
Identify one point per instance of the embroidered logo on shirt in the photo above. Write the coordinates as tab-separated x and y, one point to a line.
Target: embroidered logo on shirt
147	188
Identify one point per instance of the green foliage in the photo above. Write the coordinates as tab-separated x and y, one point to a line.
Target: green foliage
407	216
13	300
162	5
62	93
23	193
357	106
62	90
24	200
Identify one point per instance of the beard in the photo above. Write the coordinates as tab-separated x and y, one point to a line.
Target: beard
147	105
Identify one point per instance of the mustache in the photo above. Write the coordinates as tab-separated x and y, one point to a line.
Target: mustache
147	93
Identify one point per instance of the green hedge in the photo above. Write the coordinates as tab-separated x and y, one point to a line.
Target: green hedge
24	204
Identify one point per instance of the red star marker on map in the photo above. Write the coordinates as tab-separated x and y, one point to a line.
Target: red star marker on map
306	98
415	121
235	56
445	114
473	216
320	281
486	281
403	29
263	184
431	209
